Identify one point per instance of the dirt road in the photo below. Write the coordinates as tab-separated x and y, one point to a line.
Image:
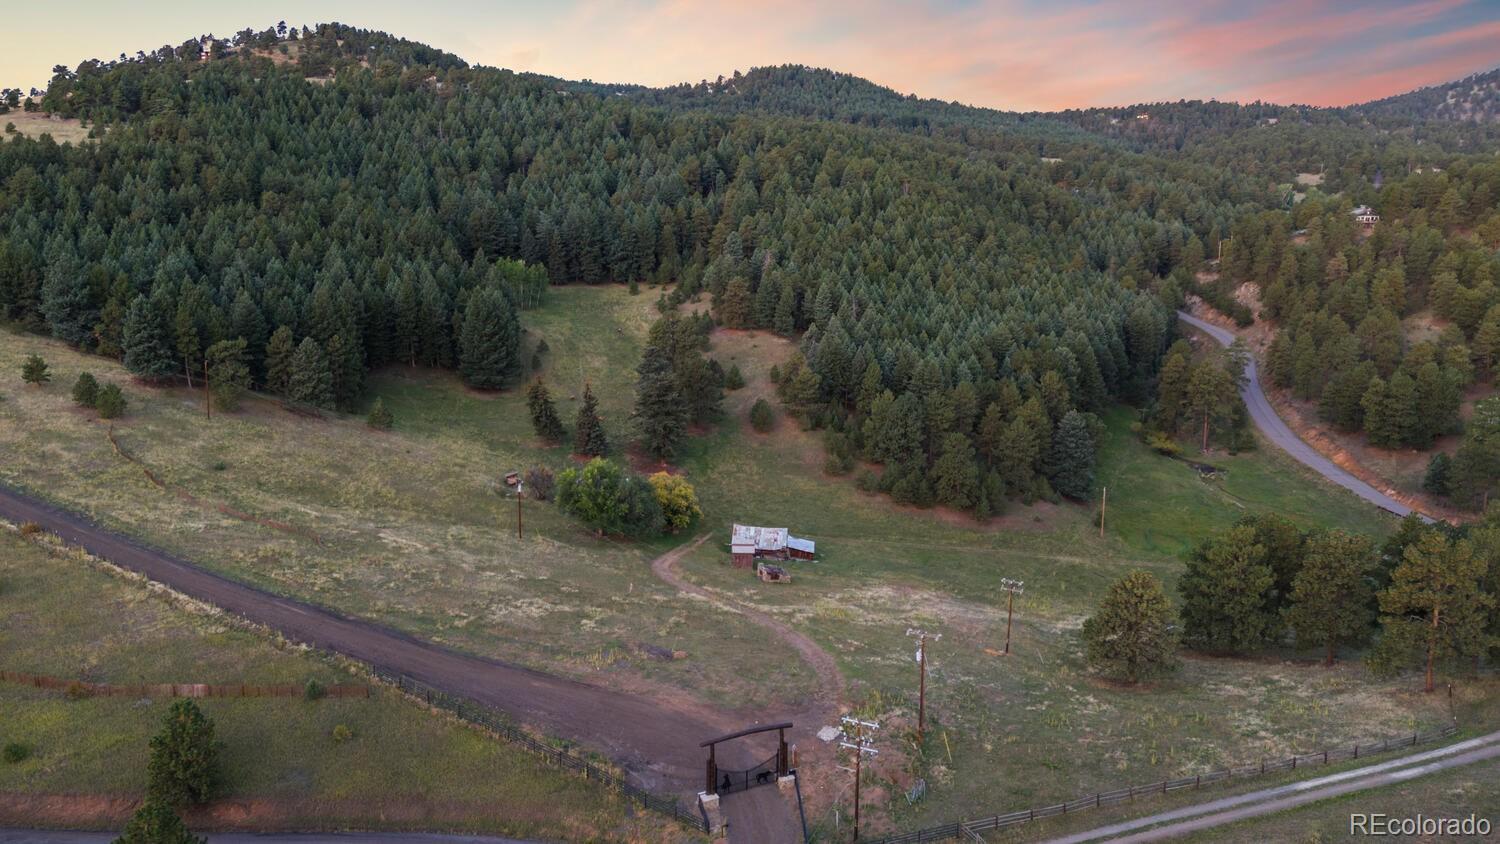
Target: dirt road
48	836
655	741
1274	429
1170	824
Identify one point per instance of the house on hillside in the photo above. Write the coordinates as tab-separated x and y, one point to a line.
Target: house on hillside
748	543
1365	214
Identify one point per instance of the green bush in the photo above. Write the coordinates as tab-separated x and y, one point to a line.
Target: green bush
85	390
184	761
314	691
341	734
156	823
734	379
762	417
111	402
380	419
16	752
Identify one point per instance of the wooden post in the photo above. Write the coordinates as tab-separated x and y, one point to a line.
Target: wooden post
713	771
1010	607
208	402
922	692
1103	506
518	512
858	756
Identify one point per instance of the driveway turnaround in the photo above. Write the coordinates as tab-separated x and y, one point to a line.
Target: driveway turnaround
655	742
1271	425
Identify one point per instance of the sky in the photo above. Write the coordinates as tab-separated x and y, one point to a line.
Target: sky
1007	54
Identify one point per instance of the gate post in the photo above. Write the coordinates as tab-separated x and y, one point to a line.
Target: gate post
713	773
781	766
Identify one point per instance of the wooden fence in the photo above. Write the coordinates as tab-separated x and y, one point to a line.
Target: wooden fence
166	690
482	716
970	829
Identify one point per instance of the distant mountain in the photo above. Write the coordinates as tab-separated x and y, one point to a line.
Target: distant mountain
1473	99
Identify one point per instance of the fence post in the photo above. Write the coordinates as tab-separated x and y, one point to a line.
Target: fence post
1356	751
1325	757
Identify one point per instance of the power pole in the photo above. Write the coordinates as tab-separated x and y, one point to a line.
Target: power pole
1103	505
1014	587
922	637
208	402
857	736
519	490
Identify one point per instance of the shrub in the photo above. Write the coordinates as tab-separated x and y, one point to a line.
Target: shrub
15	752
867	481
34	371
111	402
30	529
677	499
609	500
1161	443
540	483
342	733
734	379
314	690
380	419
762	417
219	466
156	823
76	691
183	757
85	390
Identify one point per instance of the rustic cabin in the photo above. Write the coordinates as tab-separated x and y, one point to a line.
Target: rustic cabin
748	543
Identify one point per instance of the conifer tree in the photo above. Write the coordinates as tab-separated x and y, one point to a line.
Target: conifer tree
148	350
1330	601
85	390
184	758
279	351
380	417
310	380
1227	592
34	370
660	414
734	379
1129	637
490	340
955	477
544	418
228	372
1435	608
1071	463
346	366
588	430
156	823
110	404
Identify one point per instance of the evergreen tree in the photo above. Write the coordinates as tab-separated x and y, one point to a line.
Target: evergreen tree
1435	608
66	302
1227	593
1439	477
762	417
85	390
309	379
184	758
1129	637
110	403
734	379
279	351
346	366
544	419
148	351
1071	463
588	431
380	418
660	414
489	341
955	477
1330	598
34	370
1210	392
156	823
228	372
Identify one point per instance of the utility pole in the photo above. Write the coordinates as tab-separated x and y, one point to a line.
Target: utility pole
858	736
519	490
208	401
1014	587
1103	505
922	637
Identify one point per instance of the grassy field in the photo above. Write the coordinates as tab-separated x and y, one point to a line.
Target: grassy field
414	534
36	124
61	616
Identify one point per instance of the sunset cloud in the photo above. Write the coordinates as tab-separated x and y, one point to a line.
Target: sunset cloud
1012	54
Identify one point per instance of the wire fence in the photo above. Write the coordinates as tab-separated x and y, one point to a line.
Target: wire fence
970	829
482	716
79	688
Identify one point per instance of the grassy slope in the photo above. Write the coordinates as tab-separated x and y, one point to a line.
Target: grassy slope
60	616
414	536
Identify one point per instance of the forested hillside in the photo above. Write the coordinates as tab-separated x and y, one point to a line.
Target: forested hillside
967	285
1473	99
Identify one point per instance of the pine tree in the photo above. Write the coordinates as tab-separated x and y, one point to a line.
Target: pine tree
1439	477
489	341
279	351
228	372
734	379
85	390
1435	608
1330	599
1227	595
762	417
66	301
148	350
156	823
183	763
110	403
34	371
1129	637
955	477
346	365
1071	463
310	380
588	431
661	416
734	304
544	418
379	418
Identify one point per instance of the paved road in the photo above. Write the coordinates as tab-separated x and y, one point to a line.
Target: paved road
1226	810
1271	425
40	836
656	742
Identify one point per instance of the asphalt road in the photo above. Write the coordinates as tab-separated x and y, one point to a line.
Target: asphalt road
655	741
1175	822
1274	429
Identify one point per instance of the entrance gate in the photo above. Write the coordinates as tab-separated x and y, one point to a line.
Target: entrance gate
729	780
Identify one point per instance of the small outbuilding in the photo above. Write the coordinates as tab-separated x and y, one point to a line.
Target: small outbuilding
748	543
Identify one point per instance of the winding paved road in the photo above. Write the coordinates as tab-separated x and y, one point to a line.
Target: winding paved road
1271	425
1170	824
656	742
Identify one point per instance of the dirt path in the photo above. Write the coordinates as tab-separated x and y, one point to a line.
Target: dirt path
654	738
1279	434
831	681
1266	801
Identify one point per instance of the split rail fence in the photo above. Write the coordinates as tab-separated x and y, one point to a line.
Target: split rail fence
482	716
970	829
